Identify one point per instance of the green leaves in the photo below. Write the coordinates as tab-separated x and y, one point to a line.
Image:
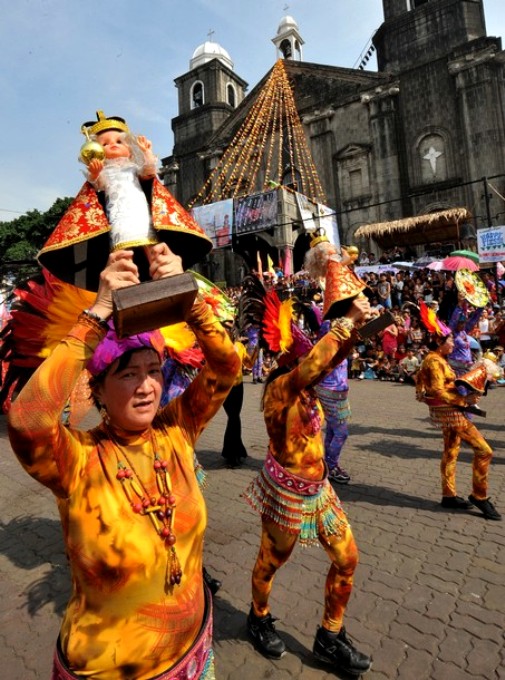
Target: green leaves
22	238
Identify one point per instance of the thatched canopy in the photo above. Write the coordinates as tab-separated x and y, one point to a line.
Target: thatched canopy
436	227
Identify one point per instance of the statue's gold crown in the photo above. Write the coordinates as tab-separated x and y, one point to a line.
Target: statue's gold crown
318	236
103	123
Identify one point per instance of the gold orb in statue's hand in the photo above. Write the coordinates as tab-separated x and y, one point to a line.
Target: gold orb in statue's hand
91	150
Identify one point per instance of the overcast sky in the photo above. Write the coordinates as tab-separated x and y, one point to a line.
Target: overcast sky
61	60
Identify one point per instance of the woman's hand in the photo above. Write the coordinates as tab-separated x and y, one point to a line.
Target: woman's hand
359	310
163	262
472	398
119	272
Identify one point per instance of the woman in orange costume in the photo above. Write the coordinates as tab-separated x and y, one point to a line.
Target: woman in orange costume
132	511
295	499
435	385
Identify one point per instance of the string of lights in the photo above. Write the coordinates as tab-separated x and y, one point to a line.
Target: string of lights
270	137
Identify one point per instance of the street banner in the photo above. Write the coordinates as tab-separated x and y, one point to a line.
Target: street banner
255	212
491	244
376	269
216	219
328	221
307	210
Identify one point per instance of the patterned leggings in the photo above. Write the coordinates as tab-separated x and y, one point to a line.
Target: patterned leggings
276	548
482	454
257	369
336	436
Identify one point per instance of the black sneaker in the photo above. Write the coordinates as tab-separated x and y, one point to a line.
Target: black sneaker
338	651
486	507
262	632
455	502
339	475
213	584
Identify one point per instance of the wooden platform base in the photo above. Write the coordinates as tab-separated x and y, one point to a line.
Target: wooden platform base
153	304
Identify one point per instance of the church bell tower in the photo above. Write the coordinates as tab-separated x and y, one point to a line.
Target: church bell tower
288	40
417	31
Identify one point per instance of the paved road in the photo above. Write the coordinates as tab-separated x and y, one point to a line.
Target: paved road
429	595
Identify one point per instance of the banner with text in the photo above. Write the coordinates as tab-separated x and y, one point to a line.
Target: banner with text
491	244
216	219
255	212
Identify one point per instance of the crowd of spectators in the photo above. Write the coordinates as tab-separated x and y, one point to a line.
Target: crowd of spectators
396	353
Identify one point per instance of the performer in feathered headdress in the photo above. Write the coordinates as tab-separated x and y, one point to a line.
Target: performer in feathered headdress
340	284
292	493
119	487
436	386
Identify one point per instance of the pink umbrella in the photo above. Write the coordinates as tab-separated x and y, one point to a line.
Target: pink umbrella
455	262
435	266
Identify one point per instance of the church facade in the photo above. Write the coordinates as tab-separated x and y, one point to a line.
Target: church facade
425	132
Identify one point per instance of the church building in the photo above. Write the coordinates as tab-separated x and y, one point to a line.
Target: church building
423	134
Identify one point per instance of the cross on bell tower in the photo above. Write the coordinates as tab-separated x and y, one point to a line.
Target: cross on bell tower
288	40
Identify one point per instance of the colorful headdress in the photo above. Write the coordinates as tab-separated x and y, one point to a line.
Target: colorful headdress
221	305
279	332
111	348
431	321
102	124
43	312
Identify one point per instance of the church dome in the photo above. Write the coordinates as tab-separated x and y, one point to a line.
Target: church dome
287	22
208	51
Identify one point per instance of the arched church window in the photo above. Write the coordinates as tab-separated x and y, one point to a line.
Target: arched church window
231	95
197	95
291	178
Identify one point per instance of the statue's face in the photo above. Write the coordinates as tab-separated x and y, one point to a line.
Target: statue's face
114	144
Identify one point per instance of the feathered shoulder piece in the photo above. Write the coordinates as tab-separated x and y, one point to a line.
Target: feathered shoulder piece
263	309
221	305
275	319
44	309
428	317
431	321
277	322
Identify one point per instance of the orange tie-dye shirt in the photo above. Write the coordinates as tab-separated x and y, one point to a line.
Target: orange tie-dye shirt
123	621
293	415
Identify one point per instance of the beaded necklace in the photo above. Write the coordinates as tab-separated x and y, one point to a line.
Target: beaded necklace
159	508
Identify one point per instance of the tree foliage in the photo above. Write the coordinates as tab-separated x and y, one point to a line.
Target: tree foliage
22	238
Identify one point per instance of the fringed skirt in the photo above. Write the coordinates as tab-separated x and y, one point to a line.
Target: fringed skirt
336	405
296	505
444	417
